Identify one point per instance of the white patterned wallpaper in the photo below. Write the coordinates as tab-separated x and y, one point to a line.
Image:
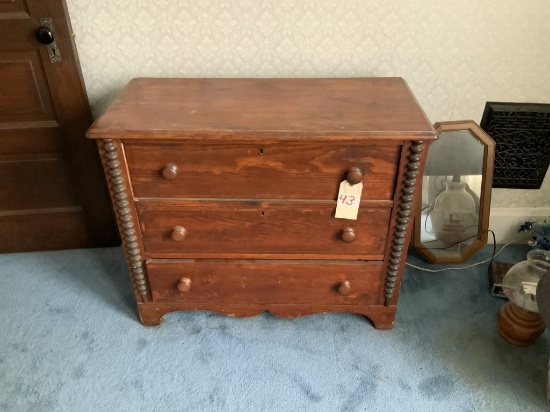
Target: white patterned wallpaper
454	55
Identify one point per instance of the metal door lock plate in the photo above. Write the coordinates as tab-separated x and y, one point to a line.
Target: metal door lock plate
53	51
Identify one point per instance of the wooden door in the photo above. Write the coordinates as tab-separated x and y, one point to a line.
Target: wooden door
52	191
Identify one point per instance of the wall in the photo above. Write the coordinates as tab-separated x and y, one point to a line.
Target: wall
454	55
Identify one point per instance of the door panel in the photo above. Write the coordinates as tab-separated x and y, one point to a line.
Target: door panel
15	8
41	183
30	99
38	137
53	194
35	228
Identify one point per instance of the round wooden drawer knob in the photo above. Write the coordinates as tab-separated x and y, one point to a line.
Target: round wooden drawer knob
348	235
344	288
170	171
178	234
354	176
184	285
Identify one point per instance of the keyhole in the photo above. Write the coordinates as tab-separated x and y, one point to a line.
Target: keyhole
262	213
261	151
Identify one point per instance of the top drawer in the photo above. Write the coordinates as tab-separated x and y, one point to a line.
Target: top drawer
278	170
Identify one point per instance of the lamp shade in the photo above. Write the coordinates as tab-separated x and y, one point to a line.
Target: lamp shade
457	154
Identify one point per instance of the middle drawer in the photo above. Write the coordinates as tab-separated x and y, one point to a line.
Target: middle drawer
259	229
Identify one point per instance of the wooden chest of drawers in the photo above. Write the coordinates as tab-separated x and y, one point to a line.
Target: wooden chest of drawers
225	193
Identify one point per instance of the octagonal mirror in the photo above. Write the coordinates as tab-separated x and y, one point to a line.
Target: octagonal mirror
452	220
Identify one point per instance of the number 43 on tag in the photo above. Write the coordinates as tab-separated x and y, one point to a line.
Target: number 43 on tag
349	198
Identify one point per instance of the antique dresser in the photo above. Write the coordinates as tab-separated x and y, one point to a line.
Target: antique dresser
225	193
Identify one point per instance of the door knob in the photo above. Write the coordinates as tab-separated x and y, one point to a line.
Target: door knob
354	176
170	171
344	288
178	234
184	285
348	235
44	35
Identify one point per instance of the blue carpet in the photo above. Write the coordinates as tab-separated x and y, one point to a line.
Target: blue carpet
70	341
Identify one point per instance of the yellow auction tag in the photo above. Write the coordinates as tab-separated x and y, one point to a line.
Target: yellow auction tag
349	197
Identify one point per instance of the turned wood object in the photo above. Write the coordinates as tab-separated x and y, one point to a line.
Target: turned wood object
348	235
170	171
184	285
518	326
178	234
344	288
354	176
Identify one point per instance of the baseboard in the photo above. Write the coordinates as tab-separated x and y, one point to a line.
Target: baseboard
505	221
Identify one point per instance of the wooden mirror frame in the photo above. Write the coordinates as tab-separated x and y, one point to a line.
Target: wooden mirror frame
484	199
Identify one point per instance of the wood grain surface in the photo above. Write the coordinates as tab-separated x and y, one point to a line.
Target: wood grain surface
264	170
151	314
259	227
378	108
229	190
48	171
261	282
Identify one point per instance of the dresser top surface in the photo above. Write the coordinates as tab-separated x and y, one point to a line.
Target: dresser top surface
373	108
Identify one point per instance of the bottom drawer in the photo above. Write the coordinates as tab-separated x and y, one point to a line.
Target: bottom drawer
264	282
